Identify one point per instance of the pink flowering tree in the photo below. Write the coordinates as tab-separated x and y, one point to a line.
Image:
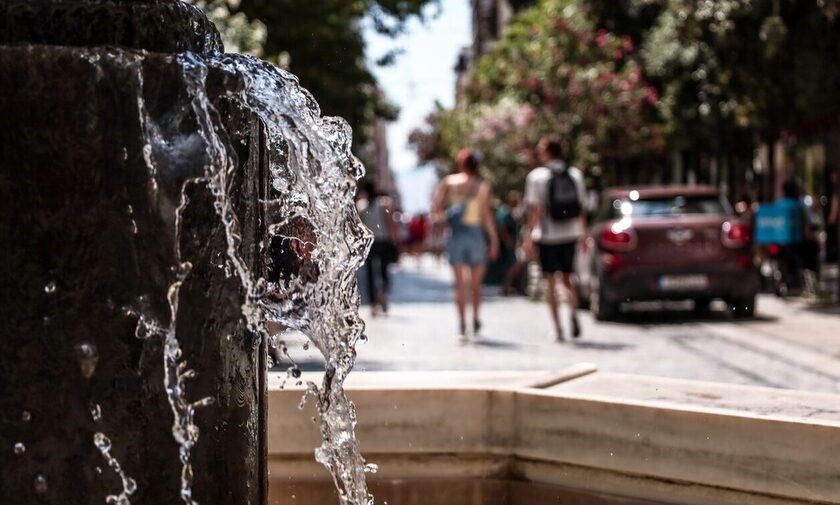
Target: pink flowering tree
552	72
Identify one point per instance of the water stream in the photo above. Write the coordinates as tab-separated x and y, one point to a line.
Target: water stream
315	243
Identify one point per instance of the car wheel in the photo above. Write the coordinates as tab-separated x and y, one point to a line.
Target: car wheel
602	310
744	308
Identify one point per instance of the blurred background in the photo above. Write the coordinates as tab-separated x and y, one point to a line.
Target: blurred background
724	111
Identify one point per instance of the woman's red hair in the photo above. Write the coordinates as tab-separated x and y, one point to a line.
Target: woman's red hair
467	160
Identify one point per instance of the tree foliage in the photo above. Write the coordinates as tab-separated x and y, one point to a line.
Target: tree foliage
722	75
239	34
552	72
742	69
321	42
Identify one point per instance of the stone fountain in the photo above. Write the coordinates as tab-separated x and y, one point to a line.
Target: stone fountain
161	201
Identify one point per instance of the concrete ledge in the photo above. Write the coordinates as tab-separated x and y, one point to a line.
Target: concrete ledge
658	439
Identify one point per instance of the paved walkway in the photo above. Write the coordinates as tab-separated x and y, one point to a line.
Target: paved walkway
789	344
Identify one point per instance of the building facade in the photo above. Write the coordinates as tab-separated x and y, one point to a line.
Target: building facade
489	19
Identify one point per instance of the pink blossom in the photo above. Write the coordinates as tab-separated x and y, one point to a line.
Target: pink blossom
627	44
601	38
652	96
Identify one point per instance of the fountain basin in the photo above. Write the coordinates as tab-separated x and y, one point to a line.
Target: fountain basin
574	437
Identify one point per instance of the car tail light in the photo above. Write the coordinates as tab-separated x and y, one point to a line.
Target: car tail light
617	238
774	249
735	234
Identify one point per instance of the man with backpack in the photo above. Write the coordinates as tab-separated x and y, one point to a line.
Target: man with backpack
555	195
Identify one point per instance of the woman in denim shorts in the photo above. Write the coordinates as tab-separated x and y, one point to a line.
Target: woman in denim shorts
462	201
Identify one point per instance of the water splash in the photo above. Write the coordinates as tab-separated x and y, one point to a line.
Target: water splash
312	221
314	225
129	486
314	245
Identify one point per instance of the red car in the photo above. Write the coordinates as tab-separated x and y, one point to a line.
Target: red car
667	243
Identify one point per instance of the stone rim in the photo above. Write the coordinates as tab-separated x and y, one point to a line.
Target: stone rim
164	26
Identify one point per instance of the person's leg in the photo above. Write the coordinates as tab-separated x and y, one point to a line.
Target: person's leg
553	303
511	276
460	272
567	266
550	265
571	296
477	280
385	283
371	281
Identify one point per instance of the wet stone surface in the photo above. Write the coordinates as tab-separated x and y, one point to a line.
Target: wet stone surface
78	268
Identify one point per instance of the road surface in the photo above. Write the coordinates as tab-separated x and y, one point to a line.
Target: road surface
788	345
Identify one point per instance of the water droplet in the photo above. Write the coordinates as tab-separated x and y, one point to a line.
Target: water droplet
133	227
294	371
371	468
95	412
25	416
306	346
125	156
40	484
20	448
98	470
50	288
102	442
88	357
363	337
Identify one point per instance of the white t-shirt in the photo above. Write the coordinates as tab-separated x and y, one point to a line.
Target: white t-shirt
547	230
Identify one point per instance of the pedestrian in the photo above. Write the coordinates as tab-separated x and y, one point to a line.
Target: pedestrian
462	201
799	252
555	194
377	213
418	231
516	220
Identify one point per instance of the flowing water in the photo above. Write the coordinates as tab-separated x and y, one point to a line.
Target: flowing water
315	243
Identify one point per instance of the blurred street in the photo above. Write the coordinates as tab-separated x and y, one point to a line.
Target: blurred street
788	344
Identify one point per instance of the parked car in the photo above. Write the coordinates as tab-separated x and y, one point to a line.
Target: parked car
666	243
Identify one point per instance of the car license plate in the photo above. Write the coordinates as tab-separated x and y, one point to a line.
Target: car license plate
683	282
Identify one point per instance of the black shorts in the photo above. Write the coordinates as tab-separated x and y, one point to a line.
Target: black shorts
557	257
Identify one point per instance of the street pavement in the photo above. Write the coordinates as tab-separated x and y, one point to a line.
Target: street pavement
790	344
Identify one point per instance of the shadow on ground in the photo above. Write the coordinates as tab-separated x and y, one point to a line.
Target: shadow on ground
493	344
600	346
661	313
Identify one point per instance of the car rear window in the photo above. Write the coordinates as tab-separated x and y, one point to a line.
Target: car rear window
665	206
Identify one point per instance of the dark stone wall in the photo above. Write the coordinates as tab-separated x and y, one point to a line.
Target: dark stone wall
165	26
74	187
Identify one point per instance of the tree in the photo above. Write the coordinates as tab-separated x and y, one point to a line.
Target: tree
239	34
321	42
552	72
735	73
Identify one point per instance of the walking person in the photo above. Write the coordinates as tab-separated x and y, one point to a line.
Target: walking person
556	223
511	282
377	213
462	201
